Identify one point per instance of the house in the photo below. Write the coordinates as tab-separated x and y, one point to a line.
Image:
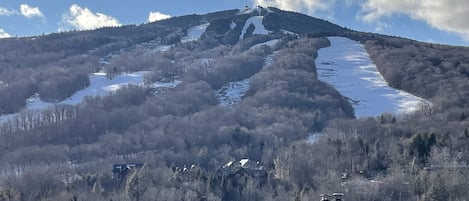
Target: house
243	171
238	177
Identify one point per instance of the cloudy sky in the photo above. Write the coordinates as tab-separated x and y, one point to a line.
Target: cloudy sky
441	21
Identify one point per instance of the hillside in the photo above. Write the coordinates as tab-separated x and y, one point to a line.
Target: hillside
256	104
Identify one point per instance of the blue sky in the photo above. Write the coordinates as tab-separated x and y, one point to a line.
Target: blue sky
440	21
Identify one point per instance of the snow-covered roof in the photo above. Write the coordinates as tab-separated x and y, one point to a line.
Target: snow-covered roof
243	162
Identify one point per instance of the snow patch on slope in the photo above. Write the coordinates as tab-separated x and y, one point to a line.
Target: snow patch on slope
270	43
34	103
232	25
101	85
232	92
195	33
288	32
153	46
347	66
259	27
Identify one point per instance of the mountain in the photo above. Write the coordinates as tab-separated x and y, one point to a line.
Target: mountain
251	104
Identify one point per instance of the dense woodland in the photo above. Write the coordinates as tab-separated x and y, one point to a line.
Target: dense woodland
183	136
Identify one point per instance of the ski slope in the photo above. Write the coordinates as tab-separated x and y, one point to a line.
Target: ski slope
270	43
100	85
259	27
233	92
195	33
347	66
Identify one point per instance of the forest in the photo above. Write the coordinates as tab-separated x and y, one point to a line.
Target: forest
299	134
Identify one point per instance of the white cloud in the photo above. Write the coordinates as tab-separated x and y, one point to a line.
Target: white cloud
445	15
4	34
30	12
157	16
6	12
84	19
310	6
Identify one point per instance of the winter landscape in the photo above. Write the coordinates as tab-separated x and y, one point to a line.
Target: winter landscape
248	103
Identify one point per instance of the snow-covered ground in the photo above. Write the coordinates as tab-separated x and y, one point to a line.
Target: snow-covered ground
100	85
347	66
259	27
232	92
152	46
257	10
270	43
288	32
232	25
195	33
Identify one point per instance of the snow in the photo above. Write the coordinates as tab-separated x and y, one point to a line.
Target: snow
232	25
195	33
166	84
347	66
6	117
228	164
313	138
288	32
100	85
162	48
247	10
270	43
243	162
256	10
34	103
206	61
269	59
259	27
2	84
152	46
232	92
